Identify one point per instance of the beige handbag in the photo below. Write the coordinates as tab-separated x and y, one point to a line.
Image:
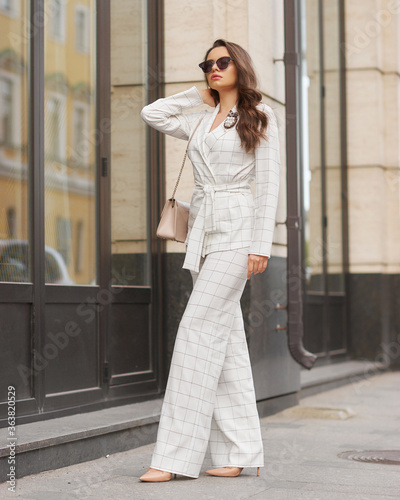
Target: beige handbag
173	223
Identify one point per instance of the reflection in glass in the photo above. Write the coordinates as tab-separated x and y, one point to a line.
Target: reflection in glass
313	190
129	228
333	148
311	147
70	141
14	69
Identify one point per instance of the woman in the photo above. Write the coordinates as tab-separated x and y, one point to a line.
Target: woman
210	396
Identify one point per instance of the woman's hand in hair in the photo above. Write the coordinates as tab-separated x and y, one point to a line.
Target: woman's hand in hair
257	264
207	97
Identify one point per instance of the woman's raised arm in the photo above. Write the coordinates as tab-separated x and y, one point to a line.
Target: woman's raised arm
167	113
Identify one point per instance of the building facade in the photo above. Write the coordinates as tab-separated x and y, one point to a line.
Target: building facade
90	299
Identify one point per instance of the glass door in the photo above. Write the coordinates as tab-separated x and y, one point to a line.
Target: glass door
72	139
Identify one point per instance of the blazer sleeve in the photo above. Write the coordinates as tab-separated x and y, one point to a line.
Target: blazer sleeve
267	164
167	114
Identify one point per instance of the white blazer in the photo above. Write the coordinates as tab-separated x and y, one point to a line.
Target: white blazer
223	214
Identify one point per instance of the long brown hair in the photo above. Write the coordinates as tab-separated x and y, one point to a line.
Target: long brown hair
252	123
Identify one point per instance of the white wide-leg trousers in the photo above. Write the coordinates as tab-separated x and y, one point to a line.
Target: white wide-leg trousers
210	396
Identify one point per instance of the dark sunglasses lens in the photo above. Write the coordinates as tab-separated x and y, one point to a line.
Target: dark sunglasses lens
223	62
206	66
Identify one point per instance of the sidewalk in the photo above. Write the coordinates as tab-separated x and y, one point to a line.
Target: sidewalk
301	447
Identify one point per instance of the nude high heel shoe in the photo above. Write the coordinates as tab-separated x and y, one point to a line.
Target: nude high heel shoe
228	471
156	476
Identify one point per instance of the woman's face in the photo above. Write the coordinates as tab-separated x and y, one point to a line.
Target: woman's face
218	79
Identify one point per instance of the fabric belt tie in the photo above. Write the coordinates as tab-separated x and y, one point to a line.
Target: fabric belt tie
206	220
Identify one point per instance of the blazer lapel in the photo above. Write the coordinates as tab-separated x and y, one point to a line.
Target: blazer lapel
201	135
204	132
217	133
206	140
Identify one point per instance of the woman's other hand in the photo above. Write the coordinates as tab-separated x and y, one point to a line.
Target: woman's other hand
257	264
207	97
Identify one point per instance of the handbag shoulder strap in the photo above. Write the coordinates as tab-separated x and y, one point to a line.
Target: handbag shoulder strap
184	159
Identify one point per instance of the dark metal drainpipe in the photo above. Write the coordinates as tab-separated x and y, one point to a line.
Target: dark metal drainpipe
294	221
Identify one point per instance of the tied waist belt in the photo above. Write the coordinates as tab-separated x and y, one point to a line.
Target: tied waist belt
206	220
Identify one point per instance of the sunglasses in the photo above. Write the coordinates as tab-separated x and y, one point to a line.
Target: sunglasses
222	63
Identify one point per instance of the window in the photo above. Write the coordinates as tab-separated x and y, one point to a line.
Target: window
11	222
15	116
79	256
82	29
323	196
57	20
64	239
52	268
9	7
14	260
55	146
6	5
81	148
6	111
70	140
130	177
